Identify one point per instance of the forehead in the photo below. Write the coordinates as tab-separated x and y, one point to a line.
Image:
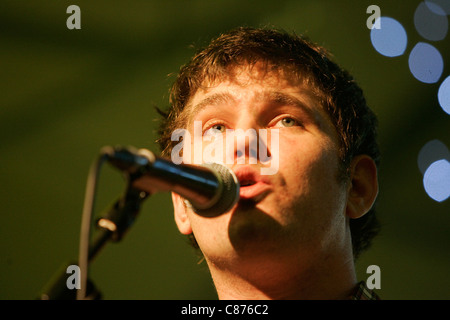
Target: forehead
248	80
256	83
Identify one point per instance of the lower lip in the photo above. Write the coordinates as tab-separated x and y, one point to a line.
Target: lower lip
250	192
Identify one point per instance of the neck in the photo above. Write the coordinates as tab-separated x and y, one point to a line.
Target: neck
332	277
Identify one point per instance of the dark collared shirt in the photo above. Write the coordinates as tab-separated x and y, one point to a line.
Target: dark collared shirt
364	293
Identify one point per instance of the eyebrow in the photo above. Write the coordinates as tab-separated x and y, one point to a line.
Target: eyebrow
280	98
215	99
274	98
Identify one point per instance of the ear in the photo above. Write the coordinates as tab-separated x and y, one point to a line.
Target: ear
180	212
363	188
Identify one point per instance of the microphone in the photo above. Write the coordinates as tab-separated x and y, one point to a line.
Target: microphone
210	189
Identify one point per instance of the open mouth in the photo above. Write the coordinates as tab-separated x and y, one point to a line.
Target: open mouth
247	183
252	184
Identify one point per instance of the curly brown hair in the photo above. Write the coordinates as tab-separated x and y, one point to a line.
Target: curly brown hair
301	59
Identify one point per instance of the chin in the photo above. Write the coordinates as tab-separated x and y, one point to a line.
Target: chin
251	229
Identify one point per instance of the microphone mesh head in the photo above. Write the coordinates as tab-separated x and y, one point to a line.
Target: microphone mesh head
229	194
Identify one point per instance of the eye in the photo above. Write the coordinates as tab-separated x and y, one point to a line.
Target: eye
219	127
216	129
287	122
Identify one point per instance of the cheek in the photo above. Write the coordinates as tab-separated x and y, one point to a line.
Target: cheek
311	190
310	168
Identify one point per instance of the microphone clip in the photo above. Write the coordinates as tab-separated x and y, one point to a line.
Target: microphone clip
122	213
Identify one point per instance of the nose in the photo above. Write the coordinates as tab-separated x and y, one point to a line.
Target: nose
248	145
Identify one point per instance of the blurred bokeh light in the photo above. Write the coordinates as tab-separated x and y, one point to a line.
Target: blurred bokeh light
391	39
426	63
431	21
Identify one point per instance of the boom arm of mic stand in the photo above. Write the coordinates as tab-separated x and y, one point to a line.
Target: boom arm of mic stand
111	227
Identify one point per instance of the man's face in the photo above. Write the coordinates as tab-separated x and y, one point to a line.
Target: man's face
299	211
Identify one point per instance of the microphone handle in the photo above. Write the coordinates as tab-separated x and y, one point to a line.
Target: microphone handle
198	184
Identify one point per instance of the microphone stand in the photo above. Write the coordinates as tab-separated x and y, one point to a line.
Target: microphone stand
112	226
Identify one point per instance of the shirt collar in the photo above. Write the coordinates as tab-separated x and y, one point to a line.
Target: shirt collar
364	293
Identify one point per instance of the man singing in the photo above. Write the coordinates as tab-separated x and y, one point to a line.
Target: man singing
296	231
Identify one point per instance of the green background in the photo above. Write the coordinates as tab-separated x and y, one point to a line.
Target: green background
67	93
